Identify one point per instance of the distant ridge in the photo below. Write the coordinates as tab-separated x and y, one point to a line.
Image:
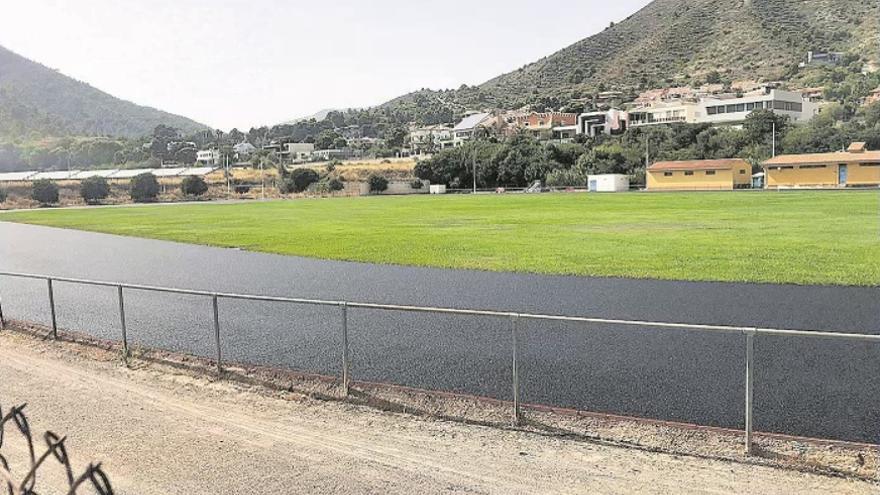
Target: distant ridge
38	101
672	43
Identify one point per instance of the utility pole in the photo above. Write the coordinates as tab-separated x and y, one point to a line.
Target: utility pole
774	139
262	182
475	163
228	183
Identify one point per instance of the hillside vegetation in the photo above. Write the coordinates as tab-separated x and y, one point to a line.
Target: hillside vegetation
669	43
36	101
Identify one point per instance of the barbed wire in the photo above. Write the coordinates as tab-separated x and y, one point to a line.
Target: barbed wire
93	475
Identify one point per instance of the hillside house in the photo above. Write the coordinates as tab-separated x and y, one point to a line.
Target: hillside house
699	175
725	108
244	150
209	158
855	167
469	125
611	122
541	124
430	139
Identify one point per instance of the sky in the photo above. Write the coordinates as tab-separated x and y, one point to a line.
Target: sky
239	63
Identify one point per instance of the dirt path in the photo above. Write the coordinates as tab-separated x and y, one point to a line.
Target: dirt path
158	430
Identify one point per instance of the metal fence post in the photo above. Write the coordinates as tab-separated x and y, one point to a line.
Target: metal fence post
122	325
217	332
2	320
750	357
345	359
514	324
52	309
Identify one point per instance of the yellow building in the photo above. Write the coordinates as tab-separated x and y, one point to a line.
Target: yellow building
699	175
854	167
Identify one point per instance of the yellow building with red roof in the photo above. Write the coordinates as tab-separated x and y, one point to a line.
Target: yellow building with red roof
699	175
855	167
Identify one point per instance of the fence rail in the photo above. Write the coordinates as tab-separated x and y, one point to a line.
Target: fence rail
514	318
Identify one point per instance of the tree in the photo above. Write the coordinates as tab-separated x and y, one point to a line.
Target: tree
186	156
44	192
395	137
339	143
325	140
144	188
299	180
377	183
94	189
3	195
193	185
759	126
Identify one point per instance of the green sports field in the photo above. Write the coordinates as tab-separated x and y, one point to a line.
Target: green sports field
780	237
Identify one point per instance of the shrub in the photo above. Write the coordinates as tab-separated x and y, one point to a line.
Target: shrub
299	180
194	185
328	186
566	178
416	184
335	185
94	189
144	188
3	195
377	183
45	192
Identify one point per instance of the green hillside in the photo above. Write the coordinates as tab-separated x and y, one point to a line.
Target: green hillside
36	101
676	42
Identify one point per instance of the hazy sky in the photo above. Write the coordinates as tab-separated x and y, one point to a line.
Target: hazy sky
238	63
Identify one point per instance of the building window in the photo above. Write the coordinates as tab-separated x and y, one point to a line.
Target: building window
711	110
811	166
741	107
689	172
731	108
742	172
750	106
710	172
667	174
868	165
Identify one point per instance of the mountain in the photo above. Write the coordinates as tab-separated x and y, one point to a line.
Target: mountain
676	42
318	116
38	101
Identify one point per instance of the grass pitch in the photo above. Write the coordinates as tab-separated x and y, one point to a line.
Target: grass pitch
777	237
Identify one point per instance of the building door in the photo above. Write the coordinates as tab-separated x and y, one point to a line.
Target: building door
594	185
841	174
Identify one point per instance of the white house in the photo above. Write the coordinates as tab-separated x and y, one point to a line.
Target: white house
721	110
592	124
209	158
465	129
725	108
299	152
608	183
244	150
430	138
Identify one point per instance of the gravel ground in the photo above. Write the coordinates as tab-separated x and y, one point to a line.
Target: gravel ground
813	388
162	430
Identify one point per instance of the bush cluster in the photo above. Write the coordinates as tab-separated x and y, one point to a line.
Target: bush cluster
94	189
298	180
377	183
144	188
44	192
193	186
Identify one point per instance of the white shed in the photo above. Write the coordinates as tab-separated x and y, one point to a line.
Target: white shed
438	189
608	183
